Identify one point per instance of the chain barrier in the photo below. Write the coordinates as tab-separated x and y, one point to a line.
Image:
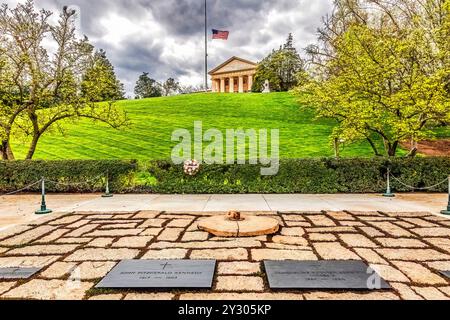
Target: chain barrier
54	182
21	190
44	210
108	194
417	188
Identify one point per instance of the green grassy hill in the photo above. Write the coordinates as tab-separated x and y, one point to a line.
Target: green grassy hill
154	120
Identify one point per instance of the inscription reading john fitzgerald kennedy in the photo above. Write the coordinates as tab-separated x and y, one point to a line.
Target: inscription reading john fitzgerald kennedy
160	274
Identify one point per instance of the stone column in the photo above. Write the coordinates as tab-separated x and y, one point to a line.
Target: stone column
250	82
222	85
214	83
231	90
217	85
241	84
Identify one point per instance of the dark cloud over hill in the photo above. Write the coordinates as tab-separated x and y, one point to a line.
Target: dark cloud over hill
165	37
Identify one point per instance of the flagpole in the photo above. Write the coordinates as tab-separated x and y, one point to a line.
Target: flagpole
206	47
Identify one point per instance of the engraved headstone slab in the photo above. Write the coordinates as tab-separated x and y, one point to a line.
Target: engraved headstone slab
161	274
324	275
18	273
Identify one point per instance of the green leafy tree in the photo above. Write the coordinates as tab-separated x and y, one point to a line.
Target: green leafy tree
100	82
382	74
147	87
39	92
280	67
171	87
267	70
10	111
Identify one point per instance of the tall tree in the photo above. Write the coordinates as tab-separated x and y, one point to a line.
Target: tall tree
10	111
280	67
170	87
39	92
147	87
100	82
382	71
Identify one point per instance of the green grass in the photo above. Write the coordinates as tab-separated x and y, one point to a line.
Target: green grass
154	120
443	132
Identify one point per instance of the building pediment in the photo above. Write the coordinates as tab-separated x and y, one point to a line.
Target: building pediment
234	64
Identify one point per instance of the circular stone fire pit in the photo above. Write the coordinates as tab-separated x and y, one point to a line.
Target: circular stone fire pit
236	225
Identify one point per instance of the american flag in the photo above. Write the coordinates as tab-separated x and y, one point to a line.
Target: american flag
222	35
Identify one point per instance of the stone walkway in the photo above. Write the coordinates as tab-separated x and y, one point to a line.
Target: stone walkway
20	209
76	250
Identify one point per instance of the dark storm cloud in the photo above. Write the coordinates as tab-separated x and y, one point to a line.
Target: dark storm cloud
165	37
186	17
134	56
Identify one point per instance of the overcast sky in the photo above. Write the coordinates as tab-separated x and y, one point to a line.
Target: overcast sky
166	37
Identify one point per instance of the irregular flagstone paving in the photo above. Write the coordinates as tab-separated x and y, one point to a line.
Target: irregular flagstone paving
409	250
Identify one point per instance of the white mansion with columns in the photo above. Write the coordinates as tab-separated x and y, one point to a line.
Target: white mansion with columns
234	75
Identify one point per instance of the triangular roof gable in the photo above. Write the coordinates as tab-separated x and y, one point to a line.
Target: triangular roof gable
234	64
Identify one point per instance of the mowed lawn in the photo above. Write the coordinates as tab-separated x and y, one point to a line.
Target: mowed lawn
154	120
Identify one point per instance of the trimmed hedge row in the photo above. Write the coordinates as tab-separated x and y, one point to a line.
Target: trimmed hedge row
71	175
295	176
304	176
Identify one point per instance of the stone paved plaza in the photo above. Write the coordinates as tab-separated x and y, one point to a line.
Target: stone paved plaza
19	209
76	250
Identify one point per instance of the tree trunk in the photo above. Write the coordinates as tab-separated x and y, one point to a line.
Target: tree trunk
3	152
374	147
414	149
413	153
9	152
392	149
6	151
33	146
336	148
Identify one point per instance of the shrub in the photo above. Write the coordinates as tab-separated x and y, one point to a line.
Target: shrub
70	175
326	175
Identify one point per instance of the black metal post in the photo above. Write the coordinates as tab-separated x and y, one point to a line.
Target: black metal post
447	212
389	193
44	209
107	193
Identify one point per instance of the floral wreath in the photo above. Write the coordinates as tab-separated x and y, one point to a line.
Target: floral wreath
191	167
